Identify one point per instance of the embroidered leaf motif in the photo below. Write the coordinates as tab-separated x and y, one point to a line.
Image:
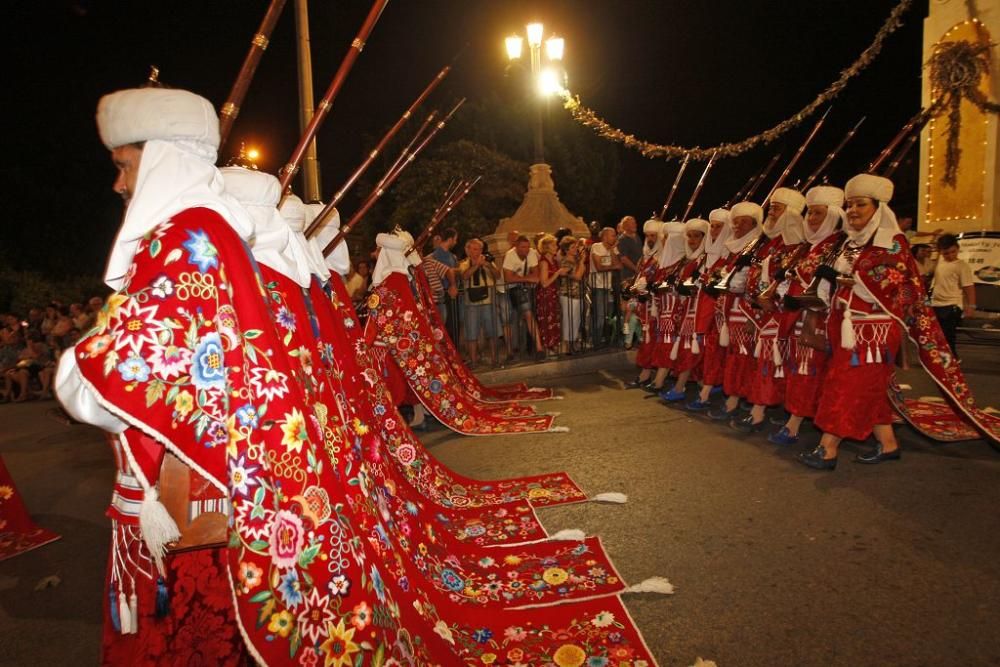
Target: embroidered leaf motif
260	546
153	392
260	597
110	362
308	555
155	247
264	615
252	333
172	256
296	637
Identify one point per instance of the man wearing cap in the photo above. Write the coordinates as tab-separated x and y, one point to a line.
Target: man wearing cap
783	229
806	364
736	334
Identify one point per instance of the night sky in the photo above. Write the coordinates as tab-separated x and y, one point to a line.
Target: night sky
671	71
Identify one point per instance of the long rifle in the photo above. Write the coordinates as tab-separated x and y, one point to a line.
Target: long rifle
798	154
901	154
261	38
323	109
760	178
829	158
431	117
921	117
739	193
673	188
697	188
383	142
453	199
379	191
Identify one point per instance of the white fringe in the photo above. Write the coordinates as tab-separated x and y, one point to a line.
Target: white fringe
652	585
847	340
610	497
695	348
675	349
559	429
574	534
724	335
158	528
557	398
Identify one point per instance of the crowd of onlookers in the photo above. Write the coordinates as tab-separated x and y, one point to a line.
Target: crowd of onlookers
30	346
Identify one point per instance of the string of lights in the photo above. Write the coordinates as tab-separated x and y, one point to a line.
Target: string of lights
589	118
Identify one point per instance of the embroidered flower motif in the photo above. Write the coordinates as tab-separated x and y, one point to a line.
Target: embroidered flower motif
97	345
377	584
442	630
482	635
569	655
250	576
253	521
217	433
339	585
406	454
208	364
285	319
487	562
241	475
293	430
201	252
603	619
136	326
451	580
287	538
269	383
170	361
555	576
162	286
339	647
597	661
515	634
134	369
183	403
247	415
361	616
281	623
289	589
315	616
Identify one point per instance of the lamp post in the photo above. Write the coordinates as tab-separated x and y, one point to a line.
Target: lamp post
546	81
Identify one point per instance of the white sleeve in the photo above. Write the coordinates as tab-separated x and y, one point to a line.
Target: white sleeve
77	398
738	283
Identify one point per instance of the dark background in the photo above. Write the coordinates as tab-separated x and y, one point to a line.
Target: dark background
667	71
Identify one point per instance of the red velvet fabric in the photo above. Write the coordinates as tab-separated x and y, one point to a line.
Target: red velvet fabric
547	308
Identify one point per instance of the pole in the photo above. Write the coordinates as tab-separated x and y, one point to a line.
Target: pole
536	68
289	170
697	189
673	188
310	174
231	107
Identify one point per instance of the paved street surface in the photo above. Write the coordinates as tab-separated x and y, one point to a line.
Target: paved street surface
774	564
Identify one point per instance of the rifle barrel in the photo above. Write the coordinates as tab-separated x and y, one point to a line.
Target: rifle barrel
697	189
798	154
829	158
673	188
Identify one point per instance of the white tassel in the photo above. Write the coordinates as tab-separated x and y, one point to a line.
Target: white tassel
847	340
557	398
610	497
757	348
559	429
695	348
158	529
124	614
868	357
574	534
878	354
133	610
675	349
724	335
652	585
776	353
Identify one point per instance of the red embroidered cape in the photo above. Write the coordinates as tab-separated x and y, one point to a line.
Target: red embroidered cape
399	324
18	533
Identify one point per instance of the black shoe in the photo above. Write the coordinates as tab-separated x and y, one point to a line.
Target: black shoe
878	455
747	424
817	459
637	384
649	388
722	415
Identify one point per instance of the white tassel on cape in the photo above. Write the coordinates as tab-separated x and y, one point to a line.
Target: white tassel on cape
847	340
574	534
695	348
652	585
675	349
610	497
158	528
724	335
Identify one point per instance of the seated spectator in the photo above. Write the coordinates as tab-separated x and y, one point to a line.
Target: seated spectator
82	319
358	280
59	336
478	277
34	364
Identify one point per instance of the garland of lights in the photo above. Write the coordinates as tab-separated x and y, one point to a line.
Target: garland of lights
589	118
956	70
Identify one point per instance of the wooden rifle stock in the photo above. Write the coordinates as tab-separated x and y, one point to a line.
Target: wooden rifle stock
379	191
673	188
795	158
697	189
323	109
829	158
261	38
375	152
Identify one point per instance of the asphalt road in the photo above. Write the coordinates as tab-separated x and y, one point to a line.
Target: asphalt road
774	564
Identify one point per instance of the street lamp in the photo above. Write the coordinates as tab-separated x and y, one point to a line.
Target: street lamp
546	81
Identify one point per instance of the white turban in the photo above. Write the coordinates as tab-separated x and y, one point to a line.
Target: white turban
339	258
716	248
883	224
788	225
177	168
393	258
696	225
272	244
672	252
747	208
651	226
297	215
833	199
793	199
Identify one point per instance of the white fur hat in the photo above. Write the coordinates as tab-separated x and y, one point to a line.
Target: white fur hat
825	195
698	225
719	215
169	114
747	208
793	199
651	226
869	185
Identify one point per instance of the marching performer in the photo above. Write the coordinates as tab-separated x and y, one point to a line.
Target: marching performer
807	353
644	305
735	333
669	263
783	229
